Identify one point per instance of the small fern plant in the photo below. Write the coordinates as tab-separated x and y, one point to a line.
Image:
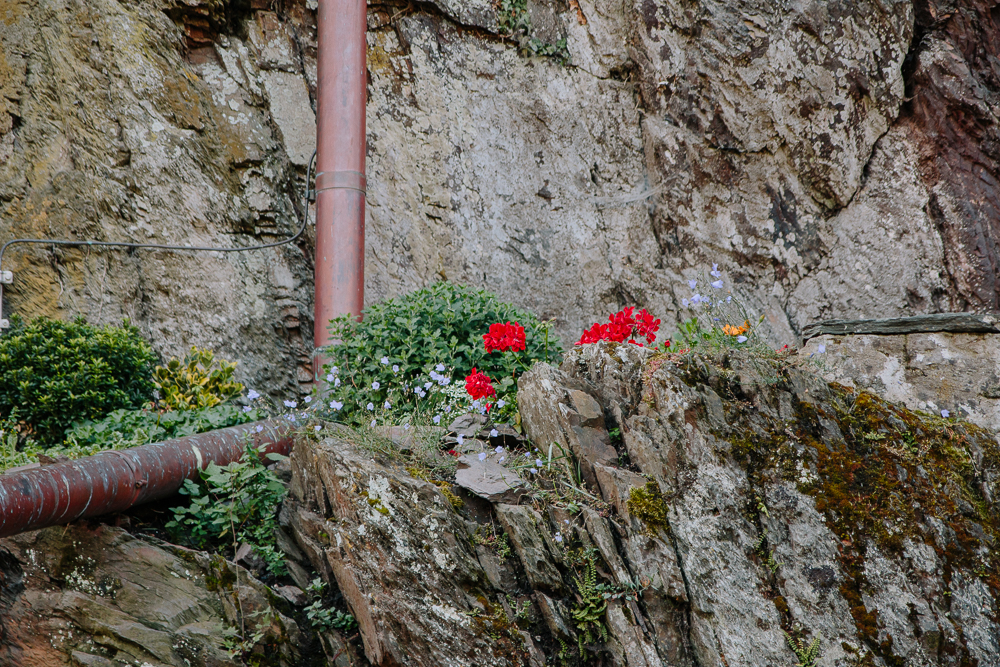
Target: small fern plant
807	654
590	609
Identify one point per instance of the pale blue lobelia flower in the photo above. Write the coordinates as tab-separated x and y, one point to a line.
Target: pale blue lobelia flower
741	339
259	428
387	405
821	348
252	395
336	405
385	361
501	403
372	424
539	463
692	284
533	471
247	408
499	450
319	428
290	404
439	368
461	438
329	377
437	419
715	271
336	382
685	302
308	399
945	414
717	284
395	368
370	406
376	385
482	456
558	537
494	433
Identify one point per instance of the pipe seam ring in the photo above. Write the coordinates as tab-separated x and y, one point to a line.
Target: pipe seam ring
341	180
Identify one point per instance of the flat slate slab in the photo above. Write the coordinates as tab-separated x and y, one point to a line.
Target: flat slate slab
937	322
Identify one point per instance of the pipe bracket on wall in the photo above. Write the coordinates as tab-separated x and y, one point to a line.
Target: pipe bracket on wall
341	180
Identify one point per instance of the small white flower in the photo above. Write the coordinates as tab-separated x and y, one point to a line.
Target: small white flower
246	408
539	463
370	406
533	471
308	399
336	405
439	368
717	284
387	405
395	368
501	403
290	404
385	361
437	419
741	339
945	414
482	456
821	348
376	385
319	428
692	284
252	395
494	433
499	450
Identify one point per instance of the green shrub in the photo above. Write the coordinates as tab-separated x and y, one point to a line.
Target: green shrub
231	505
56	373
131	428
15	449
197	381
440	325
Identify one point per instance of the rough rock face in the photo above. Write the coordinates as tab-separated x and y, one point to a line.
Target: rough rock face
838	160
99	597
746	499
925	371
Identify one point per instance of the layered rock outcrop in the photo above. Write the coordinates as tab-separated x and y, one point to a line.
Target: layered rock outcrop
838	160
747	501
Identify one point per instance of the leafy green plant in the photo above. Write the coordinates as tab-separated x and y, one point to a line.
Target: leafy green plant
198	381
130	428
591	606
239	502
323	618
806	654
15	448
56	373
406	350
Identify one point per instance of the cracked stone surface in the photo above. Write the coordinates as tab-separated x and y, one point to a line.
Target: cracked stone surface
837	160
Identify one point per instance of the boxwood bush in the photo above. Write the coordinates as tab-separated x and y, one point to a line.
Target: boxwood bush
56	373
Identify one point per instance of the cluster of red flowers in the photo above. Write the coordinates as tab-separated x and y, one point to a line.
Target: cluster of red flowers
503	337
478	385
624	326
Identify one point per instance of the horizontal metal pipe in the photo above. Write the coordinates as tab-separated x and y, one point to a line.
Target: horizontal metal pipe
114	481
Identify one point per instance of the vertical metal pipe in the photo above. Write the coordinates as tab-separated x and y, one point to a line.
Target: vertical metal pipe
340	179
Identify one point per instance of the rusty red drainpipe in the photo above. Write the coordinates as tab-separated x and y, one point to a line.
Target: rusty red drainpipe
116	480
340	179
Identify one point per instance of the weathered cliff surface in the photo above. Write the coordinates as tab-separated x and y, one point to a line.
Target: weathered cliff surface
748	499
838	159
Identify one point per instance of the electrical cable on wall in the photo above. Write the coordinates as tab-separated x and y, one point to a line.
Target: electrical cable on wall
6	277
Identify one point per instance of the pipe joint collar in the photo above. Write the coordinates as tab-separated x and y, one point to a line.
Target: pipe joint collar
341	180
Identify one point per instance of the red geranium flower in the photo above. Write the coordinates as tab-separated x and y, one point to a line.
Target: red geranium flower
479	385
503	337
621	327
